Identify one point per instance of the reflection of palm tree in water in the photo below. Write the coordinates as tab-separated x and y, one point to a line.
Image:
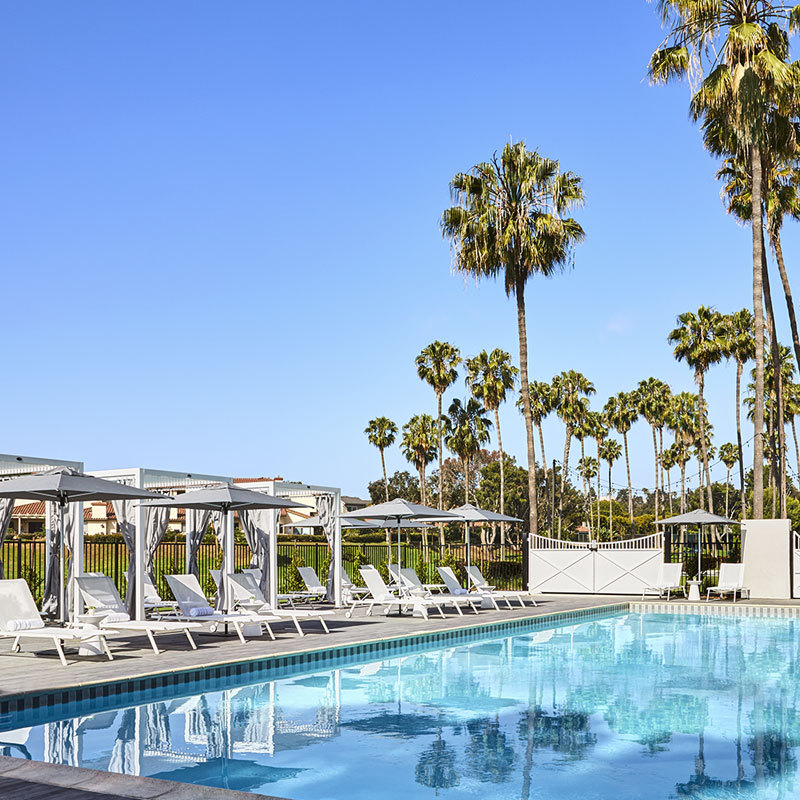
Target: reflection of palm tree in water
436	766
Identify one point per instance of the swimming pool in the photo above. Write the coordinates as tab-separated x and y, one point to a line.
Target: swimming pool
623	706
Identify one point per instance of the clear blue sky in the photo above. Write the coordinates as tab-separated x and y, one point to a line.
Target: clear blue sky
219	222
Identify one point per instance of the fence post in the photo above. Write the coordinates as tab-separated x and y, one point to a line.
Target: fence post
19	557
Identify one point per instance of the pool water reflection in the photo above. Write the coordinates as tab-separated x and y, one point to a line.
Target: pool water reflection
630	706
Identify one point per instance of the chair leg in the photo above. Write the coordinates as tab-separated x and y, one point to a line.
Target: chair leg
457	606
269	631
324	625
15	645
106	648
238	628
189	637
59	648
297	625
153	642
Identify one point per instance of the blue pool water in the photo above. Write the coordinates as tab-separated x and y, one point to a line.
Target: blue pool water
628	706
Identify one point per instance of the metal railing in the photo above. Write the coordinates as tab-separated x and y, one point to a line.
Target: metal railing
501	566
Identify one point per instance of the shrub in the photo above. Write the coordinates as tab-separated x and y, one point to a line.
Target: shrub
294	583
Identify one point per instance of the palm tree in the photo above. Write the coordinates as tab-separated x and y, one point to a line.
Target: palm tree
668	461
654	398
436	365
699	340
740	345
544	400
467	429
728	455
571	388
510	218
610	451
598	430
419	446
620	411
588	469
683	419
791	409
490	376
381	433
739	47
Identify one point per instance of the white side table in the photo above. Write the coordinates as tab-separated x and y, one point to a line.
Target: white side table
694	591
251	628
92	646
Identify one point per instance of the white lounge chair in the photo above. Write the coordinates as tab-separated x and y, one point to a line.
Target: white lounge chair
396	572
480	584
194	607
455	588
20	619
669	580
244	588
315	589
350	591
731	577
382	595
153	602
410	580
100	593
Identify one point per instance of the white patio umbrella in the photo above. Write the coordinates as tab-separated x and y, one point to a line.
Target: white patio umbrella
469	513
399	511
65	485
700	518
226	498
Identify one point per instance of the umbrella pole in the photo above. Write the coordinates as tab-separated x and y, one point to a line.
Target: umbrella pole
62	595
699	552
399	565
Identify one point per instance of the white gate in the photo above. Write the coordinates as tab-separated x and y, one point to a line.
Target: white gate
795	564
622	567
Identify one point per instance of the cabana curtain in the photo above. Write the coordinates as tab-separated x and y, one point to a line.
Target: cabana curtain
6	510
52	587
155	526
197	520
326	508
258	525
126	525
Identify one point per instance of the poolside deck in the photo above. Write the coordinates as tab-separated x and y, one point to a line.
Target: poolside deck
37	668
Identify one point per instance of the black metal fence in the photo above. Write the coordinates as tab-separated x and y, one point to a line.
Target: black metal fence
501	566
717	548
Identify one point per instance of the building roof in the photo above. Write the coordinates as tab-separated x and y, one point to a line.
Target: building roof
350	499
256	480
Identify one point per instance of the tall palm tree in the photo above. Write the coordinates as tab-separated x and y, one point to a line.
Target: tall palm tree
610	451
668	461
467	429
621	412
490	376
381	433
728	455
588	469
544	400
510	218
571	388
683	419
654	398
791	410
418	445
437	366
699	340
739	48
740	345
598	430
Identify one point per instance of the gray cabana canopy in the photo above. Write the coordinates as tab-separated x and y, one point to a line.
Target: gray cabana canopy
396	511
223	499
316	522
64	485
469	514
697	517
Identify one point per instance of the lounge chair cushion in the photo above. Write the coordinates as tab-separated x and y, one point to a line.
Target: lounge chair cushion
24	624
201	611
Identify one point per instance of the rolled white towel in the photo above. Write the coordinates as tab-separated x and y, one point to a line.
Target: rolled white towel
24	624
117	616
201	611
